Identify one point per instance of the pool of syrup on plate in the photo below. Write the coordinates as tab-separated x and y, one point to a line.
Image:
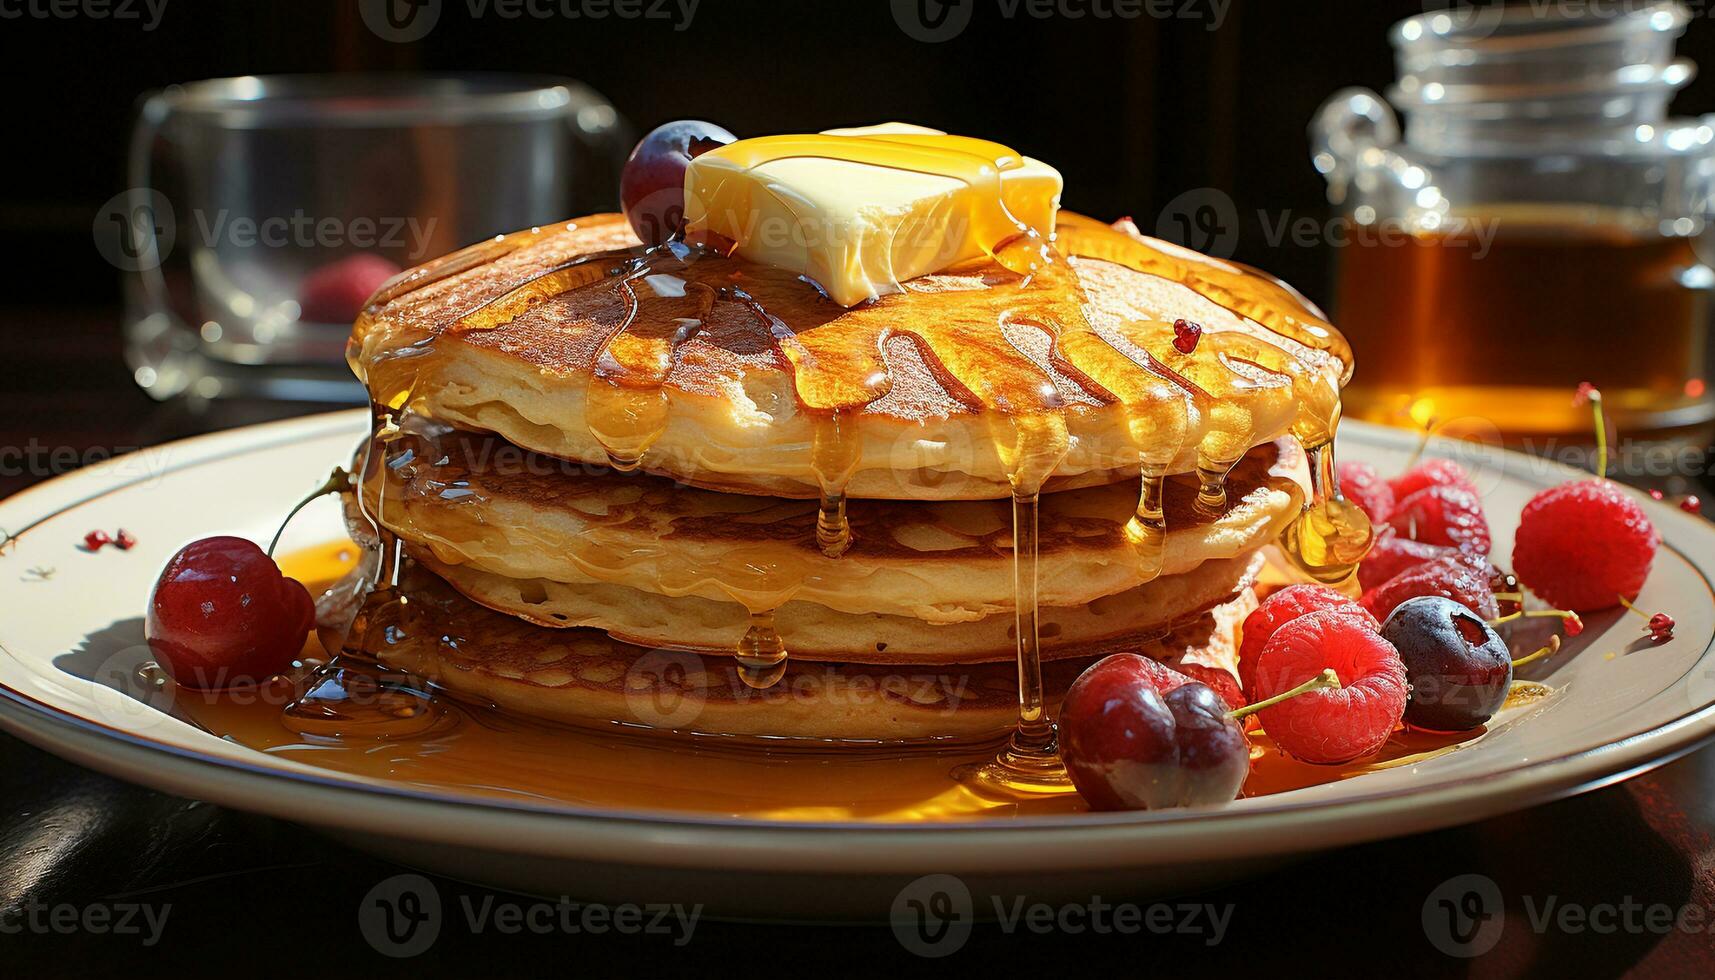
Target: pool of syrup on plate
472	750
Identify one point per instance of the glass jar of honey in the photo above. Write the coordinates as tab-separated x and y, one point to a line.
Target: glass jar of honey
1541	224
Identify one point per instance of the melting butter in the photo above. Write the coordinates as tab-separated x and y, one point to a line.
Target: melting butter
860	211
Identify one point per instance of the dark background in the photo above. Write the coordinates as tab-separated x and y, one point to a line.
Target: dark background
1133	112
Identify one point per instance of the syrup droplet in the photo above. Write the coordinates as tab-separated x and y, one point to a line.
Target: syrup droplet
761	653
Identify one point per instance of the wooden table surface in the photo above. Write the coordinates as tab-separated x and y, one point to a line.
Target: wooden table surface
250	896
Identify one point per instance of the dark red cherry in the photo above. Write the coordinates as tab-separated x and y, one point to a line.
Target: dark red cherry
223	615
652	185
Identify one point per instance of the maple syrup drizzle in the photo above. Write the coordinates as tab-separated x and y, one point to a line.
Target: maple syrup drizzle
353	694
1236	382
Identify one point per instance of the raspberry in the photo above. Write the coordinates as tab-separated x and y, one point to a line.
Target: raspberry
1443	515
1362	485
1584	545
1431	473
1393	553
1279	609
1462	578
1220	681
1331	726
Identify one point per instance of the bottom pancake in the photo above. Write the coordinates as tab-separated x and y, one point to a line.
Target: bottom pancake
816	632
584	677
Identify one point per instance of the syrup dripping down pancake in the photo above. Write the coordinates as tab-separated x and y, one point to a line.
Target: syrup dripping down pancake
729	375
479	503
583	677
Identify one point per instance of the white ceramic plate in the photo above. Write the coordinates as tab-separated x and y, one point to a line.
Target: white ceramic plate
1613	716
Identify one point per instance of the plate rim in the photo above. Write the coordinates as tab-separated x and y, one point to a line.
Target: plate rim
679	839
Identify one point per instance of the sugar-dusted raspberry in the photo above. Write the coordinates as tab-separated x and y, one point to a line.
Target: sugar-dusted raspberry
1450	516
1362	485
1393	553
1329	727
1431	473
1462	578
1281	608
1584	545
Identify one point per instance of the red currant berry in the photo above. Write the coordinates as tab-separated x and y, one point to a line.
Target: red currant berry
652	185
1691	505
1332	726
125	540
94	540
1186	333
1584	545
1362	485
1661	627
222	615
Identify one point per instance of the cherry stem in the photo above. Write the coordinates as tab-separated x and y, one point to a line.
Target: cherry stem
337	481
1601	434
1422	441
1550	650
1326	679
1634	610
1522	614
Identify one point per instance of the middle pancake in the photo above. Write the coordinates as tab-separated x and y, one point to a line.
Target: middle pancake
653	562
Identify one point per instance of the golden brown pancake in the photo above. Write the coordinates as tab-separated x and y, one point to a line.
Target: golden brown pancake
735	376
815	632
583	677
482	507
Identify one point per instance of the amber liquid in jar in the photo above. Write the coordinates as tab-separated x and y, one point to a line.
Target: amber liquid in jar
1489	325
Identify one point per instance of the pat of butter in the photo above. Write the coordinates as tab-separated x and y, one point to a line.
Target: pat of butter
860	211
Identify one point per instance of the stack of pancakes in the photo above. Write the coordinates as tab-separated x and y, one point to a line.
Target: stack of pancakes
593	541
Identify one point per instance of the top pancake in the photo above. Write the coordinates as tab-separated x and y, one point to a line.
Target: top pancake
734	376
